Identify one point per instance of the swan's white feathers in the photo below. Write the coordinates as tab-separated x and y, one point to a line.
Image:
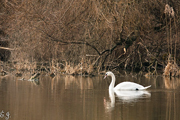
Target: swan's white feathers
129	86
124	85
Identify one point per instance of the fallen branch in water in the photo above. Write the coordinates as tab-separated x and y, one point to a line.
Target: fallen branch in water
34	76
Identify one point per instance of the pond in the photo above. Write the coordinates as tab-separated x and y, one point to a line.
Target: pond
66	97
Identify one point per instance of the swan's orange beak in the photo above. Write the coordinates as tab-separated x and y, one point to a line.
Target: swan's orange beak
105	76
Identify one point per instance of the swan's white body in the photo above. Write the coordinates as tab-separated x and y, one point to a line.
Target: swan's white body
124	85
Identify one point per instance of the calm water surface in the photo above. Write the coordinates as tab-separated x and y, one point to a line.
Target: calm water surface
85	98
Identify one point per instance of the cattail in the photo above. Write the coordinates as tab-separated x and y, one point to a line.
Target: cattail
172	12
124	50
169	10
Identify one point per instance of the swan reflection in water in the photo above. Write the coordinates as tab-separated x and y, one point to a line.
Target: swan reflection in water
125	97
132	96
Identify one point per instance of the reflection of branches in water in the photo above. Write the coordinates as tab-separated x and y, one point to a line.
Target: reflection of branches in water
53	83
163	82
171	106
168	109
171	82
79	82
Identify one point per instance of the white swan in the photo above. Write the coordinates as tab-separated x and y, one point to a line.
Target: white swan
124	85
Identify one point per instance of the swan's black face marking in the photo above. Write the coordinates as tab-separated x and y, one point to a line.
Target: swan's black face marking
105	76
137	89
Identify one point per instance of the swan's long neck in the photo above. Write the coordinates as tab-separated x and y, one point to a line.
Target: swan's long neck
111	86
112	97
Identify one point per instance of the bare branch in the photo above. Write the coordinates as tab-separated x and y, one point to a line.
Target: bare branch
5	48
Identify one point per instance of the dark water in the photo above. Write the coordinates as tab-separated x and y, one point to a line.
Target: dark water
85	98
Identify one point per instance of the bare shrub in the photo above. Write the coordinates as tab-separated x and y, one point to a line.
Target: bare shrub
42	31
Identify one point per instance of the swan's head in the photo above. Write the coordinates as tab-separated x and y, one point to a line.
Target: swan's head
108	74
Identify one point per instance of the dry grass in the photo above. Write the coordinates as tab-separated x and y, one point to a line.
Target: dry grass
82	68
171	69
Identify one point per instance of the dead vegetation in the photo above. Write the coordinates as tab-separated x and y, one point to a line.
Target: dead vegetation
83	68
131	35
171	68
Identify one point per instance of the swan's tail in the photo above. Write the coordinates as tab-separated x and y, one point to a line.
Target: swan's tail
147	87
